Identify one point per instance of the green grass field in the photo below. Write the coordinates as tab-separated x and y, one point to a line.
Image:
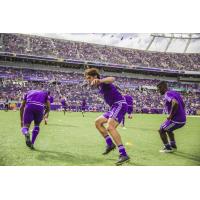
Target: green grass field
73	140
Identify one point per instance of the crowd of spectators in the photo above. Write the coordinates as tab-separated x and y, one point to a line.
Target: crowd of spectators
49	47
14	83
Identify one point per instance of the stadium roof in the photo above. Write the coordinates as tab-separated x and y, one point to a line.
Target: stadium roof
162	42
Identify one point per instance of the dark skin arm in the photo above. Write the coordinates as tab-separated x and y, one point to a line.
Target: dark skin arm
22	111
47	110
173	109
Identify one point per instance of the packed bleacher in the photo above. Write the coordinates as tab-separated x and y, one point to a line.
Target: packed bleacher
14	83
49	47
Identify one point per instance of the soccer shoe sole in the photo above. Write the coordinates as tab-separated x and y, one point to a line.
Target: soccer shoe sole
166	151
105	153
123	162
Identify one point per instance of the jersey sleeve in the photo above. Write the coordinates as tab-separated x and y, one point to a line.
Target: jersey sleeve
168	97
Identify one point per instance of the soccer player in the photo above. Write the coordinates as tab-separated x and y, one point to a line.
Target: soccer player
46	114
129	101
118	108
6	104
83	106
64	104
176	118
32	109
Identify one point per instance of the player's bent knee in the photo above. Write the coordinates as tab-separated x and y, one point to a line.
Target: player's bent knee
110	128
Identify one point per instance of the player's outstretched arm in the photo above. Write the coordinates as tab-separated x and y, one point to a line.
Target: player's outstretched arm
173	109
107	80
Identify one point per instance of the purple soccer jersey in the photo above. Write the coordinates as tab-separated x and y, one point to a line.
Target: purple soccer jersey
129	101
83	103
37	97
180	116
115	100
110	94
64	103
35	101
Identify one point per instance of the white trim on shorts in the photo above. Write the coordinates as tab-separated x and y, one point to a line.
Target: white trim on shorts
178	122
169	126
114	115
35	103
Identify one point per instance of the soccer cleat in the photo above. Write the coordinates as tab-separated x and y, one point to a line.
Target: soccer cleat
174	147
124	128
166	150
109	149
122	159
28	141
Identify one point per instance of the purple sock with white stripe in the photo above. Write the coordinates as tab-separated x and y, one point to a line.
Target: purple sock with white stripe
35	133
122	150
108	139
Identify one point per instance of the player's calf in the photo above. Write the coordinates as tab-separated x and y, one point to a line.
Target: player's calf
167	147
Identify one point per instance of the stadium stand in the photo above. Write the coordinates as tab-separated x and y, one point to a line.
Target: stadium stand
56	48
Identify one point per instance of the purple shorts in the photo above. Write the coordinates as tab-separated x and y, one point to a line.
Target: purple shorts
117	112
130	110
33	113
170	126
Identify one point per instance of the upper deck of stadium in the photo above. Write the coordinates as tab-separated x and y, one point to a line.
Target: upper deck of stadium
127	50
160	42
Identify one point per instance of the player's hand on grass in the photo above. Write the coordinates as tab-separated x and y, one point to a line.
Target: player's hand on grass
95	82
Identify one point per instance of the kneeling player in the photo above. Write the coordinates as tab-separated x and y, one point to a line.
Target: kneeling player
176	119
129	101
32	109
118	108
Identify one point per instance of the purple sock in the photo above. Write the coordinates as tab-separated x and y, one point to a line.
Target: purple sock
108	140
35	133
122	150
24	130
172	143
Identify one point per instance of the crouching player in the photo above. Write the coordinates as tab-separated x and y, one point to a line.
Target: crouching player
176	119
118	108
32	109
129	101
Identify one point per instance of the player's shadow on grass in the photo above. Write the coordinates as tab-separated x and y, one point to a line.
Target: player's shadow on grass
187	156
66	158
129	163
63	125
143	129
